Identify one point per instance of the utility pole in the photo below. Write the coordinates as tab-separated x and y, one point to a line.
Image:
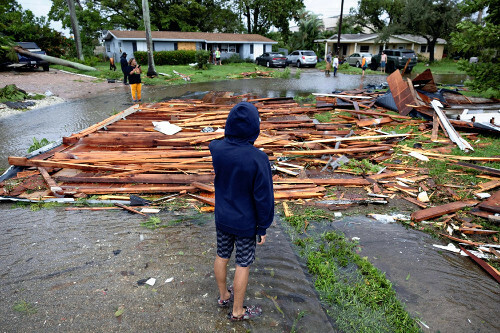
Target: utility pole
340	28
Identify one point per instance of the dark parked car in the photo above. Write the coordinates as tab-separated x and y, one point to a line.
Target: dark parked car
271	59
31	62
396	59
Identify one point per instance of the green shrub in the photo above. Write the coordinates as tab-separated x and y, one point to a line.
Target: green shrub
202	58
38	144
179	57
233	59
486	76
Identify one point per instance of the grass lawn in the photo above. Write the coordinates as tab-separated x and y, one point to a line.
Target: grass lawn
214	73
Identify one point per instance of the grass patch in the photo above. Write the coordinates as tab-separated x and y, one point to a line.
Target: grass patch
307	99
324	117
445	66
357	295
284	74
24	307
213	73
152	223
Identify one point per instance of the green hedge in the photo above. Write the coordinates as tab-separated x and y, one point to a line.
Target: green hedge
179	57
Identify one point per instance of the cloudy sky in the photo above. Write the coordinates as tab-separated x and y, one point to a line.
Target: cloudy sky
322	7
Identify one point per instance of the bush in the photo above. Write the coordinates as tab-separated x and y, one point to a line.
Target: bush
179	57
486	76
235	59
202	58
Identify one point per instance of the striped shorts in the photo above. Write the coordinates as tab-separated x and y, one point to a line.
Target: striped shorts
245	248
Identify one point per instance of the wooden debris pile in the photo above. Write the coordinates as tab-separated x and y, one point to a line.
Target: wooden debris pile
163	148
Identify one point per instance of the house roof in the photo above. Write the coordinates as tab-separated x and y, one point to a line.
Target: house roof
209	37
356	38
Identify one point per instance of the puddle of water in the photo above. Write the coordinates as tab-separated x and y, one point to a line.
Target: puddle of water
446	291
66	264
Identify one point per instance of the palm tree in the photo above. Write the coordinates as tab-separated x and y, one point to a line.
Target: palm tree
149	40
309	30
76	29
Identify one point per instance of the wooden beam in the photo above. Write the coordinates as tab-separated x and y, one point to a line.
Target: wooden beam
433	212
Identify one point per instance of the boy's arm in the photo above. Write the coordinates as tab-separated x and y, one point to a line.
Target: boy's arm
264	197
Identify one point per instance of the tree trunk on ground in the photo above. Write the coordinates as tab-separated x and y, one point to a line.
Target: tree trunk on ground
149	39
76	29
55	60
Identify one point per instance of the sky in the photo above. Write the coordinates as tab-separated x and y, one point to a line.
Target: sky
321	7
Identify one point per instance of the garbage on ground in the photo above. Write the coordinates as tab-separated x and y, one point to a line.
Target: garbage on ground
125	156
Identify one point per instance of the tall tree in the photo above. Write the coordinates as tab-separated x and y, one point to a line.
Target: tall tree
438	20
75	28
309	29
22	25
261	15
149	39
378	15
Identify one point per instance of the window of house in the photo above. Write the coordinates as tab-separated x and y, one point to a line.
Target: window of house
232	48
108	47
251	48
119	44
224	48
364	48
175	46
423	48
134	46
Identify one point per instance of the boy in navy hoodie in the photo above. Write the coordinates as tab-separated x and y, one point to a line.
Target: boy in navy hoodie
244	204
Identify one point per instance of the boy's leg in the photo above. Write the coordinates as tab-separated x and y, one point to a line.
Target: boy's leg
240	287
220	270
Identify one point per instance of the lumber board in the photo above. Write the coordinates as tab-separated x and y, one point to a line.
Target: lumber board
23	161
448	208
337	151
400	92
492	204
140	179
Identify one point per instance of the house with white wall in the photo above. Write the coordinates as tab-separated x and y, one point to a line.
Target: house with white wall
244	45
369	43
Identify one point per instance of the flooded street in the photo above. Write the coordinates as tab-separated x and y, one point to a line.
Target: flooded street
71	271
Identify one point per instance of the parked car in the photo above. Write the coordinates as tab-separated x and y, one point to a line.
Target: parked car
302	58
396	59
271	59
31	62
355	59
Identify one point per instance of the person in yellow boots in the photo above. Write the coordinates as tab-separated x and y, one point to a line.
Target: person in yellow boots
134	78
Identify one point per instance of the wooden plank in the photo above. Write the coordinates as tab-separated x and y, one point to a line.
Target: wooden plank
486	170
349	151
416	202
23	161
208	201
435	127
491	270
204	187
492	204
400	92
129	209
452	207
140	179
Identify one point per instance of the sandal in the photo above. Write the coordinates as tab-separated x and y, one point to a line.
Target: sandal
225	303
250	313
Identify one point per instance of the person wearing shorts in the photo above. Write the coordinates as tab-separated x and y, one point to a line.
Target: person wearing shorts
244	205
383	61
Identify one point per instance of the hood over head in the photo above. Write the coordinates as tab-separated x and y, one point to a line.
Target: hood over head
243	123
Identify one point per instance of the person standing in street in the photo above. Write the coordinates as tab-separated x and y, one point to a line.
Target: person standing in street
328	63
124	65
217	57
383	62
244	206
134	75
363	65
335	65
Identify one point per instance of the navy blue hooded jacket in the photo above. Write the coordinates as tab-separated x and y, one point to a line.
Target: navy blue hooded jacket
244	198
